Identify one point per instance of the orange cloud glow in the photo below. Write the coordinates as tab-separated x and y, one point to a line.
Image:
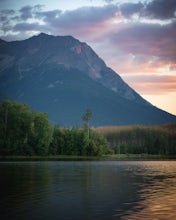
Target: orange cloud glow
159	90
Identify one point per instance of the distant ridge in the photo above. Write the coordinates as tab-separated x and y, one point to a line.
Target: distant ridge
62	76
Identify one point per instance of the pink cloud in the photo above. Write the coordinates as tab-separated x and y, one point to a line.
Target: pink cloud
147	39
152	84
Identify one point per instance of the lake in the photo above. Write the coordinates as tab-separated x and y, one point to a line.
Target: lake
88	190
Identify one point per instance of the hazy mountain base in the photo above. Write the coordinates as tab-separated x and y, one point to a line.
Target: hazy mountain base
65	94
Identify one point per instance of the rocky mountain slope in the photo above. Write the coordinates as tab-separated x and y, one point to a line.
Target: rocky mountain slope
63	77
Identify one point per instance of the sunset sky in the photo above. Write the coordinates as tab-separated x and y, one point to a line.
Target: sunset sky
137	39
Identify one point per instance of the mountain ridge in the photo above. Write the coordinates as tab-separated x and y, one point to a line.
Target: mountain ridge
62	69
94	65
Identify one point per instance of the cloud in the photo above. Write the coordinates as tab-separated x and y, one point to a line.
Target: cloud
83	15
26	13
161	9
7	12
146	84
129	9
108	1
48	16
5	15
152	41
167	79
84	22
27	27
156	9
137	40
136	43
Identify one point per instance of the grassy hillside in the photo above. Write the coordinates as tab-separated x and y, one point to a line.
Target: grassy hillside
141	139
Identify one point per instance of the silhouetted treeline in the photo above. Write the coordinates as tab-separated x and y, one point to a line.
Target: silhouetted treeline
142	139
25	132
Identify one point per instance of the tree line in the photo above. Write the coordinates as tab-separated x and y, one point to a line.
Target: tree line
25	132
158	140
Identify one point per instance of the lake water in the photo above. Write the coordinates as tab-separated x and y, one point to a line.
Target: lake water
88	190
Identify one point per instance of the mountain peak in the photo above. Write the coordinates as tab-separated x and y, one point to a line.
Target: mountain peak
71	53
63	76
41	36
44	36
51	37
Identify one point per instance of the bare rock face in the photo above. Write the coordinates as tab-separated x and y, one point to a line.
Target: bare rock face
62	76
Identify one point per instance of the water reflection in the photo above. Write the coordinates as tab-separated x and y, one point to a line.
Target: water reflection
23	187
157	196
88	190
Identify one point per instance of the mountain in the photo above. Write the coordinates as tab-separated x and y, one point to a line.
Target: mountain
62	76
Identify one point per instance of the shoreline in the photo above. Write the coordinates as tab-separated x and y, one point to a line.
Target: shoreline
88	158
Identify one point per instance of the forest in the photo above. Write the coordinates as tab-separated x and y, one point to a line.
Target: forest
26	132
156	140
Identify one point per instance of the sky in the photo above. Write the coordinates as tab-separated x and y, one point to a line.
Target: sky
137	39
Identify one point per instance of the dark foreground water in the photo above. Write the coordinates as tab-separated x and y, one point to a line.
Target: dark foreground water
88	190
